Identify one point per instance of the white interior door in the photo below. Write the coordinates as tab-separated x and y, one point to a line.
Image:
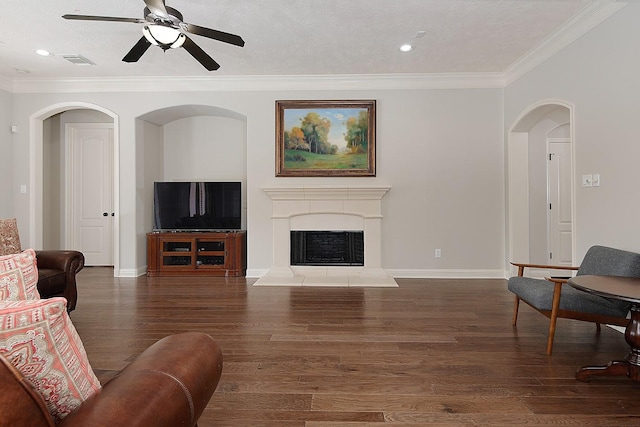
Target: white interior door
559	195
91	191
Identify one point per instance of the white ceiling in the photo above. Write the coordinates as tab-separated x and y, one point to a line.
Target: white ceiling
291	37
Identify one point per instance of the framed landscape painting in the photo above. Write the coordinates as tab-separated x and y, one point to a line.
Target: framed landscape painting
326	138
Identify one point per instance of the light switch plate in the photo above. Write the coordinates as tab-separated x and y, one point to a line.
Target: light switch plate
587	180
595	180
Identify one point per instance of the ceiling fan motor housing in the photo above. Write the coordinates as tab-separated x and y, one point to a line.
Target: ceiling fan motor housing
172	19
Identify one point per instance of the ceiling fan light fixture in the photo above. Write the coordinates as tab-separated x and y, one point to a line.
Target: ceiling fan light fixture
163	36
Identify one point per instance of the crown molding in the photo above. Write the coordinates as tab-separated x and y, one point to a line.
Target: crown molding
262	83
6	84
579	25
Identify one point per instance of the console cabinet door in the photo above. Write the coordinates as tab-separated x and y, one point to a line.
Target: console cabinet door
211	253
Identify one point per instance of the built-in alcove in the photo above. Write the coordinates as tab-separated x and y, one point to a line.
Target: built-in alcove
188	143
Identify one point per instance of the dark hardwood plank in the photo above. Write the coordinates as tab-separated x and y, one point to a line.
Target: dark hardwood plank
430	352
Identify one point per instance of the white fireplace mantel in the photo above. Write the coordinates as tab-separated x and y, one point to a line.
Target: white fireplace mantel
326	193
330	207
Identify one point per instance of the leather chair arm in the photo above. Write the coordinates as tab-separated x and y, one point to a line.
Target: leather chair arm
169	384
65	260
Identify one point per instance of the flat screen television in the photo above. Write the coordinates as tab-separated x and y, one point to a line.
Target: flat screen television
197	206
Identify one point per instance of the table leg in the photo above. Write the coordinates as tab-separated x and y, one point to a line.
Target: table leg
630	367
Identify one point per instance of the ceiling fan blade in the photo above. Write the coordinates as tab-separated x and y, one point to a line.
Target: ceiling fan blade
157	7
215	34
137	50
200	55
103	18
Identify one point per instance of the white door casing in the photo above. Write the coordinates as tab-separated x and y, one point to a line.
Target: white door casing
559	225
90	212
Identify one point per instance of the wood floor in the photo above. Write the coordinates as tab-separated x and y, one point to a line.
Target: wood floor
429	353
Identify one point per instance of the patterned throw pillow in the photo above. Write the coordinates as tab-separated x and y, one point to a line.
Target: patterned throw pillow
38	338
19	276
9	238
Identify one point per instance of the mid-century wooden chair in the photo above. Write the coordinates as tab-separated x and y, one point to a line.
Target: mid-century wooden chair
554	299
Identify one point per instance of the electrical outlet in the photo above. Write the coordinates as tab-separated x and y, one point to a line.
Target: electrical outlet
438	253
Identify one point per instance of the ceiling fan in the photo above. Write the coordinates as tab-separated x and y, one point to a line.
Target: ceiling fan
166	29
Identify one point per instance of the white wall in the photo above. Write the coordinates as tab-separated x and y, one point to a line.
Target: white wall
150	155
440	150
52	175
7	189
598	73
207	148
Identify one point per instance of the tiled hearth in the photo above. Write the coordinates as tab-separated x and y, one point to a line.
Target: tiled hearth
327	208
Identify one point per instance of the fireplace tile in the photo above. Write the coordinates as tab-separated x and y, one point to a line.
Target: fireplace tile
279	281
339	281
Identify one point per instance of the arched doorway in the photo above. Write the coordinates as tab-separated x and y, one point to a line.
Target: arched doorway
540	169
39	202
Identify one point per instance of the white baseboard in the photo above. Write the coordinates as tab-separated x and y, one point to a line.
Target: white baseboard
256	272
423	274
447	274
131	272
420	274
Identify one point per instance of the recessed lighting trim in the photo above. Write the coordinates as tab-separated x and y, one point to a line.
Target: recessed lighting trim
43	52
406	48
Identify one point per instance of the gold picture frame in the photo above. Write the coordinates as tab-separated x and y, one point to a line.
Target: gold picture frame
326	138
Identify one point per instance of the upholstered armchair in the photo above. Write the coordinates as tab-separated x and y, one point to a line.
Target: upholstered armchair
57	269
554	299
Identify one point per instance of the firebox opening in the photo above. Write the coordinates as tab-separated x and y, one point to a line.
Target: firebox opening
327	248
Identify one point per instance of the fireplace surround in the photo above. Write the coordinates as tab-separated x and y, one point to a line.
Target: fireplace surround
327	208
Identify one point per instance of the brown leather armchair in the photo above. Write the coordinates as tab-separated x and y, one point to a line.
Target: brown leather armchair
168	385
57	270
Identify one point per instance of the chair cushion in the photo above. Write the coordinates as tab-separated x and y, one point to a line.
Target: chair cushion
38	338
604	261
9	238
539	293
19	276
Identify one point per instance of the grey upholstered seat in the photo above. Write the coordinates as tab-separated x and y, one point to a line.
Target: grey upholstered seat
539	294
575	304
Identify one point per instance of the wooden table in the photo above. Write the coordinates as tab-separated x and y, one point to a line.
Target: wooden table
621	288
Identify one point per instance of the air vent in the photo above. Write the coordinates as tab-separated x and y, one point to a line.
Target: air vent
78	60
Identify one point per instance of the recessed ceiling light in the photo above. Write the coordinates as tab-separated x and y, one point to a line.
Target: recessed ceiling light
406	48
43	52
